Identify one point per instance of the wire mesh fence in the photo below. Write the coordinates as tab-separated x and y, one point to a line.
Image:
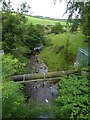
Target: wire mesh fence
83	56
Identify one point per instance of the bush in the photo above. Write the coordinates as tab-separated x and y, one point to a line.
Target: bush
57	28
11	66
13	101
13	27
47	42
34	36
73	101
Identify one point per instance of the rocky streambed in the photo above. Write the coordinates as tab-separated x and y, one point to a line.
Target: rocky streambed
41	91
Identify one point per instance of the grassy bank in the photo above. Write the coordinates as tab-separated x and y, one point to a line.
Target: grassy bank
57	55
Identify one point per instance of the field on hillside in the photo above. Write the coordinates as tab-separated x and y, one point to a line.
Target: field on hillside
35	20
54	55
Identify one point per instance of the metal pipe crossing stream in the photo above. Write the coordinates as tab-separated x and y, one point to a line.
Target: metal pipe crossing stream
41	76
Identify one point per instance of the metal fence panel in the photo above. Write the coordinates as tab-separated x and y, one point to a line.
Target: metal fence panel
83	57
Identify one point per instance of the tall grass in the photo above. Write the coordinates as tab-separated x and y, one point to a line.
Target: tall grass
56	58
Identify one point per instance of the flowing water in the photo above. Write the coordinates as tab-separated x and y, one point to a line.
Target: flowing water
42	92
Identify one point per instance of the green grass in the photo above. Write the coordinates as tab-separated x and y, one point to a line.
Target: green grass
35	20
55	58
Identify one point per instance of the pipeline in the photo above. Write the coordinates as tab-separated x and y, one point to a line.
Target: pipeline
44	76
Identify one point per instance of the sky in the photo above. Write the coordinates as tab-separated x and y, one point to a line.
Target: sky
45	8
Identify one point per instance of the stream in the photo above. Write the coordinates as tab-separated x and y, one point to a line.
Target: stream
41	91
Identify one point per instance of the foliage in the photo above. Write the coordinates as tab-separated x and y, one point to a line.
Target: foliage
57	28
57	49
6	5
82	12
85	19
20	52
11	66
13	101
13	27
73	101
24	8
17	33
75	24
47	41
34	36
40	28
54	53
14	105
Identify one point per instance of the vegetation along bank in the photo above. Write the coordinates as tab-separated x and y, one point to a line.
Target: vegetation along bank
20	37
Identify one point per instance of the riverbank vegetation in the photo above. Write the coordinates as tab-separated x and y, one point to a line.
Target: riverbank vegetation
62	50
19	38
72	101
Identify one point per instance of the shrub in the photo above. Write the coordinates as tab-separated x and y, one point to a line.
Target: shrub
11	66
73	101
57	28
13	101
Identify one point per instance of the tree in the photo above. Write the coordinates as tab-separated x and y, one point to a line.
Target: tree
74	25
6	6
24	8
13	99
16	31
82	11
57	28
10	29
13	26
34	36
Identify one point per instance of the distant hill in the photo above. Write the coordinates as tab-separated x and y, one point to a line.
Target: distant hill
44	20
44	17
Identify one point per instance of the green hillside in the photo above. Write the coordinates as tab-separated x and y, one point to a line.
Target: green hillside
43	21
54	55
